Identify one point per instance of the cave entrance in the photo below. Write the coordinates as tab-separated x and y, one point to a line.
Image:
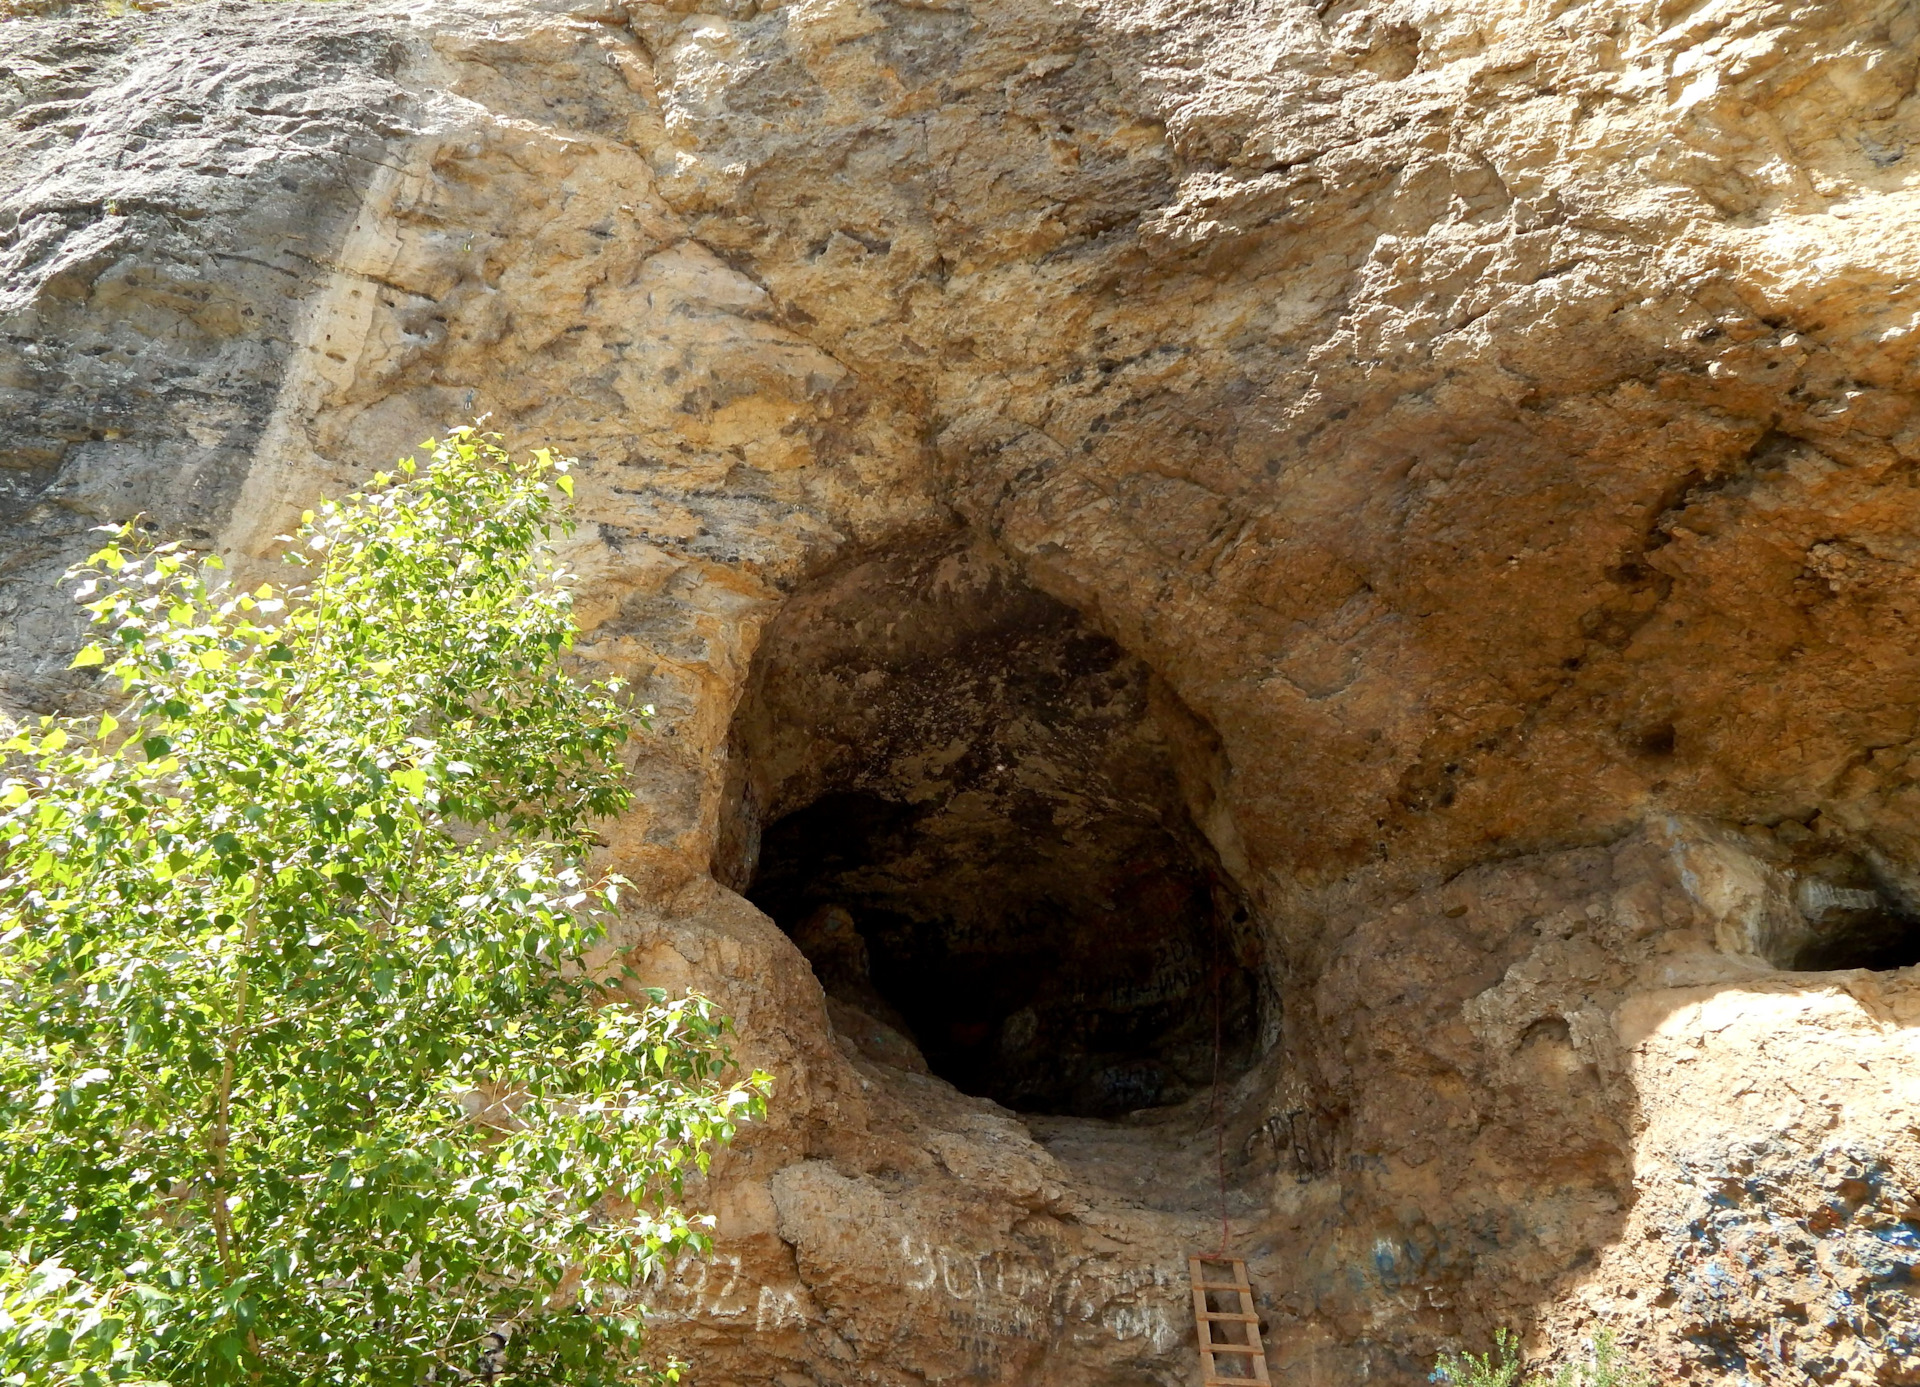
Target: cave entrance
1853	920
1849	907
973	815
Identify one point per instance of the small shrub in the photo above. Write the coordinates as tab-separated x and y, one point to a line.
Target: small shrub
1606	1365
1500	1367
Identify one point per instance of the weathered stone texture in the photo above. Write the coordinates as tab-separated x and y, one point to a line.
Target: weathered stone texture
1488	424
168	208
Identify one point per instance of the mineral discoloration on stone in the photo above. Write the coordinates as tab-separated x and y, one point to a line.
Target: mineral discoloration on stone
1491	426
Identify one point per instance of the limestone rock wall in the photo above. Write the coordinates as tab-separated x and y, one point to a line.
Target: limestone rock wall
1492	422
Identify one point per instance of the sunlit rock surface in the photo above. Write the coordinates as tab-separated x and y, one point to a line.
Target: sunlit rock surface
1477	436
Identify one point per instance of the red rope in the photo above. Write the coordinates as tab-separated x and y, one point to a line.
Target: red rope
1219	1114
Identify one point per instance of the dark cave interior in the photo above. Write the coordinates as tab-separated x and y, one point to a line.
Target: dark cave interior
1850	907
966	808
1092	1000
1856	928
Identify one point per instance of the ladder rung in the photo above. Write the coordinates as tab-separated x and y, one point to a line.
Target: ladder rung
1224	1315
1221	1286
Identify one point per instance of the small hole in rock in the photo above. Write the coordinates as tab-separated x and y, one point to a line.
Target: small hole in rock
1658	741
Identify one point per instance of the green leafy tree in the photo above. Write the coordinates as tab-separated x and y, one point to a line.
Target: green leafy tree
305	1077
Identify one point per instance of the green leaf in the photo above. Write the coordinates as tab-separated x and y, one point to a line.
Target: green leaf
90	654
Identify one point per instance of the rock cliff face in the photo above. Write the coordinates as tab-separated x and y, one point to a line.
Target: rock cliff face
1390	522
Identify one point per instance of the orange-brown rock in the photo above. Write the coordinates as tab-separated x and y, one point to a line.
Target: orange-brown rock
1397	515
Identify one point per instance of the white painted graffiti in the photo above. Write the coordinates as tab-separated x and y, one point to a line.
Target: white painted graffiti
701	1288
1029	1296
777	1310
968	1276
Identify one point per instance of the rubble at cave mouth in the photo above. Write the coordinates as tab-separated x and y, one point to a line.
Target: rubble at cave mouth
966	809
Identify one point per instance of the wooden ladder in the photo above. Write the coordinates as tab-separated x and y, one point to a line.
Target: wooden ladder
1232	1333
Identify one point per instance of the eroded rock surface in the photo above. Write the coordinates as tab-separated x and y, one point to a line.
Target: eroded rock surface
1482	432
